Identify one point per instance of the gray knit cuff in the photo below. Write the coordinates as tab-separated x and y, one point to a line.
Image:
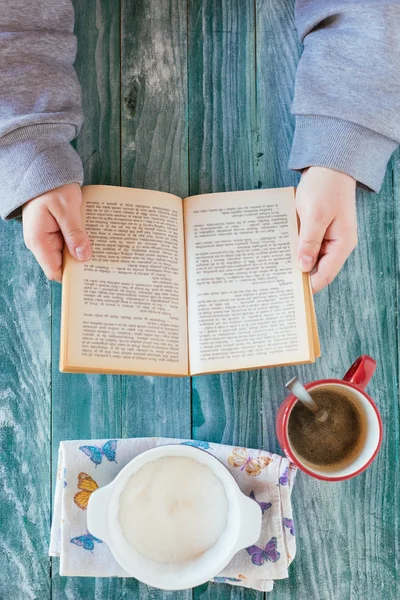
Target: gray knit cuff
343	146
34	160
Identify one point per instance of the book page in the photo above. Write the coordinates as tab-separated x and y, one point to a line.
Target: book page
125	310
246	300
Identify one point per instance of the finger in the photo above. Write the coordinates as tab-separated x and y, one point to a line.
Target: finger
48	253
68	215
312	233
329	265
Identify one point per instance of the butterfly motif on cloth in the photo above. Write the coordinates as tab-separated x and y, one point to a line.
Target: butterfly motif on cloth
226	579
263	505
290	525
87	485
86	541
260	555
196	444
95	453
252	464
284	478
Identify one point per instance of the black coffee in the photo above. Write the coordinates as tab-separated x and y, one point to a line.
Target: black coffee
331	442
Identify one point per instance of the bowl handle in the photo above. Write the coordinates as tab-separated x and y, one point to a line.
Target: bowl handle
251	523
97	513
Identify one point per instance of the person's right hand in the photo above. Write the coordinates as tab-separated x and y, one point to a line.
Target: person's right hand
51	220
326	205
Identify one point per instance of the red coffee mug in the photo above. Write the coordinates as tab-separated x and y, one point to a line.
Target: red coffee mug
355	382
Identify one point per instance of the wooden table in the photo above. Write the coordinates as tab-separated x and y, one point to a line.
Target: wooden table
192	97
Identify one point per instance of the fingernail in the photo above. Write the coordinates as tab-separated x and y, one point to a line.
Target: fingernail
83	252
306	262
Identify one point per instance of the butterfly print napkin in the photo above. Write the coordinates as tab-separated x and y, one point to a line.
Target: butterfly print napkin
84	466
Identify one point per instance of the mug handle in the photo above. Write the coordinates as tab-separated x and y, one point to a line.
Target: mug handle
361	371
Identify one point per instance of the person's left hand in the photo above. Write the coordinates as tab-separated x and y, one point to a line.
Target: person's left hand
326	205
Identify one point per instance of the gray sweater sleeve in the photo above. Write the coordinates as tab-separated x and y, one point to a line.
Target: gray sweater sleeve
347	93
40	100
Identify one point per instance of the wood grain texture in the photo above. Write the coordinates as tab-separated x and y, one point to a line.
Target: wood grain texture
155	156
222	156
222	99
277	54
89	406
154	92
98	64
24	420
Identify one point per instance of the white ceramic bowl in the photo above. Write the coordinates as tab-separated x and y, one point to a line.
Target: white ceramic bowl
242	530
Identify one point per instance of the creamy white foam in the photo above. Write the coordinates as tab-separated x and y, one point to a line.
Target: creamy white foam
173	509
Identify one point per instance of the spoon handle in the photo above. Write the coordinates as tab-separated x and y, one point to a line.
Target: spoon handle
298	390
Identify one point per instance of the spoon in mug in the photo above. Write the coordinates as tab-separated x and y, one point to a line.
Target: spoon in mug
298	390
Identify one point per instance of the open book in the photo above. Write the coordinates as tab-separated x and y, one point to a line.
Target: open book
182	287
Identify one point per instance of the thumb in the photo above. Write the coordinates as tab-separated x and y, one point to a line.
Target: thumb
310	240
70	221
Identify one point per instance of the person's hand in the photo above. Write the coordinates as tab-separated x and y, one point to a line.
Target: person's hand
326	205
49	221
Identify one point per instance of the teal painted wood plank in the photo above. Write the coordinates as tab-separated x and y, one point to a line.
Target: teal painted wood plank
223	156
222	591
221	95
24	421
227	408
154	92
277	54
98	63
155	156
90	406
344	530
156	407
